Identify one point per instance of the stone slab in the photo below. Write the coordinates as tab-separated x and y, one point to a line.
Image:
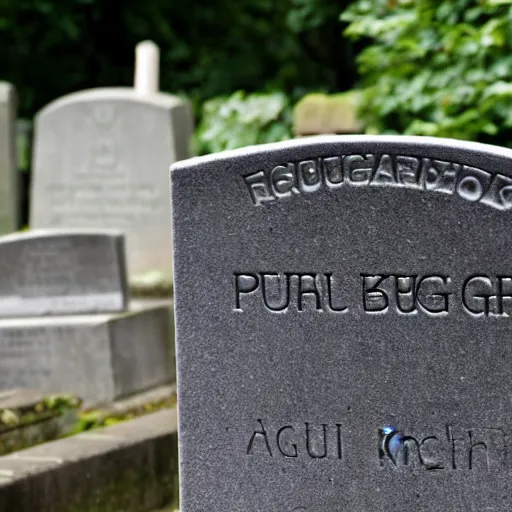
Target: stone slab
9	194
96	357
101	160
59	272
317	114
130	466
344	314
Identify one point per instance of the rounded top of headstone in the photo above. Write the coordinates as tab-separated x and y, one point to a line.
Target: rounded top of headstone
6	91
112	94
301	148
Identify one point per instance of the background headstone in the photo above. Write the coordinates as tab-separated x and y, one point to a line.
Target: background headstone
97	357
9	204
101	160
343	316
59	272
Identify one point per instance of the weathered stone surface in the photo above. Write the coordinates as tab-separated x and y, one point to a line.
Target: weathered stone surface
318	114
96	357
131	467
101	160
344	315
9	195
52	272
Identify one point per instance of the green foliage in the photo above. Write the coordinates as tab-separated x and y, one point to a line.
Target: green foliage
208	47
440	68
242	120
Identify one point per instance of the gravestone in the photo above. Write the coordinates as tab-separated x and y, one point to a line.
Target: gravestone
66	325
343	319
59	272
9	207
101	158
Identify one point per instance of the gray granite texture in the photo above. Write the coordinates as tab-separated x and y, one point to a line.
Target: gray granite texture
101	160
59	272
99	358
344	316
9	197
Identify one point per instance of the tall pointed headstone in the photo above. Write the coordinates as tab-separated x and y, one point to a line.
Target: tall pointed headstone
101	160
9	207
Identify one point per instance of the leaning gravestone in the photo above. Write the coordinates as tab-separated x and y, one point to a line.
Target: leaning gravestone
9	207
344	315
101	158
71	328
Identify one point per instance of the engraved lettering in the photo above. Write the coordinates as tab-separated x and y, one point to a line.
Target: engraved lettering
283	448
258	188
282	180
244	283
308	287
310	177
358	169
283	291
375	299
333	171
262	433
408	171
384	174
310	443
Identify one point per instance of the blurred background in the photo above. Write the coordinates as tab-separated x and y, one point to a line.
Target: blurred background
441	68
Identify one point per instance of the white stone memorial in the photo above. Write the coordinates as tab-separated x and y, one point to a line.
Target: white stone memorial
101	160
9	206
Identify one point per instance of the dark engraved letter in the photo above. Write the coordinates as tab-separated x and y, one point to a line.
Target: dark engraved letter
453	440
283	294
244	283
384	174
310	177
408	171
407	442
477	444
309	443
329	294
262	433
308	288
358	169
405	287
499	193
477	293
258	188
435	301
282	180
333	171
503	293
375	300
290	455
472	183
430	465
440	176
338	438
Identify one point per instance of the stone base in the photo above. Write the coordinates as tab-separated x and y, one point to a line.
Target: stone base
97	357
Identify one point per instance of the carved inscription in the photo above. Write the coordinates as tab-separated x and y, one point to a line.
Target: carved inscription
293	441
450	448
308	176
434	294
481	449
103	186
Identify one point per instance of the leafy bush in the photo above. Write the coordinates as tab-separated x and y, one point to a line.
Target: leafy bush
440	68
242	120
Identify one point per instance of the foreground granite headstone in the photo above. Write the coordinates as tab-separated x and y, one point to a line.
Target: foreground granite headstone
9	207
59	272
343	316
100	161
